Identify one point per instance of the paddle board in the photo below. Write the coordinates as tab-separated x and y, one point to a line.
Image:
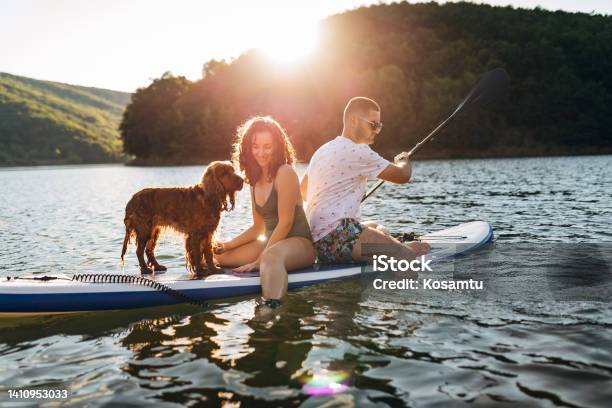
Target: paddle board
20	296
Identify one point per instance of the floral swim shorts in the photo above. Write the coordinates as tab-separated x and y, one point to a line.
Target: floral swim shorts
337	246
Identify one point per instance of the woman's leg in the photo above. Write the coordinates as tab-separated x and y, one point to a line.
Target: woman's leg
288	254
242	255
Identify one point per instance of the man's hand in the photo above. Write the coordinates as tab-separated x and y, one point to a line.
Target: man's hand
399	172
402	157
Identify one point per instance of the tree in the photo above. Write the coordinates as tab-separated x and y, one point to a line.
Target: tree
151	122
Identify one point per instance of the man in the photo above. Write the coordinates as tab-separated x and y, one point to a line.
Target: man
335	183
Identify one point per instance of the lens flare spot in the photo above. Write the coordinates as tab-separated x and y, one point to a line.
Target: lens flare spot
326	383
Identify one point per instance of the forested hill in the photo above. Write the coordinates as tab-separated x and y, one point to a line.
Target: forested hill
44	122
418	61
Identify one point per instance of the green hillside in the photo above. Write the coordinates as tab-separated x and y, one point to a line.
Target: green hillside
44	122
418	61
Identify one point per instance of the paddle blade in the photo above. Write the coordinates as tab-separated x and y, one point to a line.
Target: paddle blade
493	85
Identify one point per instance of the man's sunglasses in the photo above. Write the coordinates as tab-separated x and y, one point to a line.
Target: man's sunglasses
376	126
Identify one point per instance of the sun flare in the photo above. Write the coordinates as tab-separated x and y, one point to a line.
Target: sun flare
288	43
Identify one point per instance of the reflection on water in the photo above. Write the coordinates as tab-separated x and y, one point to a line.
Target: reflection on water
338	343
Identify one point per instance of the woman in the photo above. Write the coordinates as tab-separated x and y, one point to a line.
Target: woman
265	155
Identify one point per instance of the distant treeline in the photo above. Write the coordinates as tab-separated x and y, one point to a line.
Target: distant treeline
418	61
43	122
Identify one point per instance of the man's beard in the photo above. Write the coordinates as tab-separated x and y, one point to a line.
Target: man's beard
363	135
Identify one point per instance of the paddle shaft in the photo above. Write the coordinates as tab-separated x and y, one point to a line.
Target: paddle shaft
415	149
490	87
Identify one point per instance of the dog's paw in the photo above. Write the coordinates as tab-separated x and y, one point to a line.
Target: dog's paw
201	272
160	268
145	270
215	269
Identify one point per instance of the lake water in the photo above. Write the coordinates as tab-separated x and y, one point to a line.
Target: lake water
340	343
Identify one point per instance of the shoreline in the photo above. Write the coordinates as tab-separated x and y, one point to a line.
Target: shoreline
385	153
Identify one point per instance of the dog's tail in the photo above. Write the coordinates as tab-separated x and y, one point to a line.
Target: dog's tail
126	241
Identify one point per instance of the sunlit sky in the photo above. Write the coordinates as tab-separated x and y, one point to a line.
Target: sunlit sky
123	44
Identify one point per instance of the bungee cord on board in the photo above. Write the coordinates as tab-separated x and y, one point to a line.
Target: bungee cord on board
119	279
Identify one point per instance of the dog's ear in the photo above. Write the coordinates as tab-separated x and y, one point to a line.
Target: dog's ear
210	180
212	186
232	201
231	195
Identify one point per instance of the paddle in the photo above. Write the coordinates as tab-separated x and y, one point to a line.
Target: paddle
491	86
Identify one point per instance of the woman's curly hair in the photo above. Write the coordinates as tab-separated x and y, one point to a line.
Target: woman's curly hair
242	154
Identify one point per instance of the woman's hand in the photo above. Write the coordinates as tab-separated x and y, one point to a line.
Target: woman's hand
250	267
220	247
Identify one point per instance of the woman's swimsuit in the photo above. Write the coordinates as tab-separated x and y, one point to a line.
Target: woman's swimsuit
269	212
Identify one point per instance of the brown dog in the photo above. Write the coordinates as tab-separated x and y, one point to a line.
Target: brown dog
192	211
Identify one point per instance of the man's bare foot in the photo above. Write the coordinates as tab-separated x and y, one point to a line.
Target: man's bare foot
419	248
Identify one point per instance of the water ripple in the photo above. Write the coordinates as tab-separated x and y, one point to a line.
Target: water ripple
337	343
